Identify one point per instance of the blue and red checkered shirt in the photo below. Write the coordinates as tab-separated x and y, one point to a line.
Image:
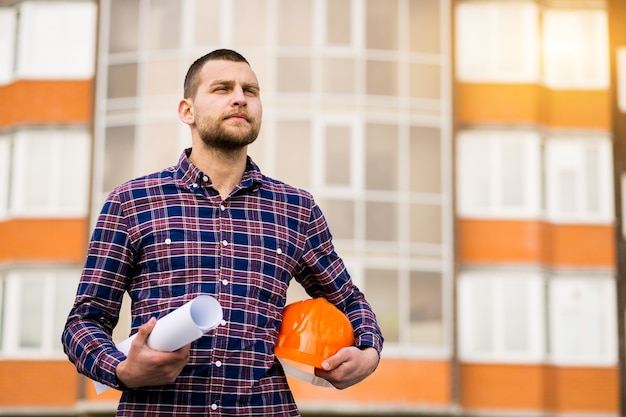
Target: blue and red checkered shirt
168	237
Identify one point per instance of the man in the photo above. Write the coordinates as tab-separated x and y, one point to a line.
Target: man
212	224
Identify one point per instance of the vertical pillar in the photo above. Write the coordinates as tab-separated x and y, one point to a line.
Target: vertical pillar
617	36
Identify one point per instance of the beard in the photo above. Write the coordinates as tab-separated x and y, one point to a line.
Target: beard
220	134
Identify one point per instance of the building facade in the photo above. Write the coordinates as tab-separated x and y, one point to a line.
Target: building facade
461	151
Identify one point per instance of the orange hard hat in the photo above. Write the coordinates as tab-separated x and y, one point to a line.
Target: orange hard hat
312	330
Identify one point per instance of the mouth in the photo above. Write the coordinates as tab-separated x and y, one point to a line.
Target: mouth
238	117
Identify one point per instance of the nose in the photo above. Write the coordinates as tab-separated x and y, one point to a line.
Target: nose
239	97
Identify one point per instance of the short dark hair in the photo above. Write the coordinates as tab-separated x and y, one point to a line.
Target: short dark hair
191	79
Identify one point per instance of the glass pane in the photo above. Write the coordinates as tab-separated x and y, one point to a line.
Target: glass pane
5	169
426	315
122	81
337	158
338	76
162	78
65	291
424	27
119	156
164	21
293	153
381	155
340	218
382	292
161	148
338	22
481	299
125	17
425	224
381	221
39	149
382	24
382	78
31	313
474	184
74	171
425	81
294	23
294	75
513	162
425	159
592	171
515	302
207	22
250	22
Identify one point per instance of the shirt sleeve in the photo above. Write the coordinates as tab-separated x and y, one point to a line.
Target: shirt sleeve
324	274
86	337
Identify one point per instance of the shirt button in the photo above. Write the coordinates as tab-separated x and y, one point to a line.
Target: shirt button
279	251
205	179
194	185
222	207
224	242
223	323
224	282
218	363
213	406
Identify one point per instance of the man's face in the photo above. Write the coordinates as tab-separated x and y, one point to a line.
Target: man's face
227	107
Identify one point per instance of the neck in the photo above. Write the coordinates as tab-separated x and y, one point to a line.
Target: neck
225	168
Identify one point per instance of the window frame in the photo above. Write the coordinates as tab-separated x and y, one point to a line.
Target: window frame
51	347
553	164
495	140
535	351
557	354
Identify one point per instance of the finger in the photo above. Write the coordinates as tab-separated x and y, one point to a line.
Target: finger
145	330
336	360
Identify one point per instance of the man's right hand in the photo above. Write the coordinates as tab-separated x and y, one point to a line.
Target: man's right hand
144	366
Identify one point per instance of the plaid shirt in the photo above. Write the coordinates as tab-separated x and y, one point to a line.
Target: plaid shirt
168	237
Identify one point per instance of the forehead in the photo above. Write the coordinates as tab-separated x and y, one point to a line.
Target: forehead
222	70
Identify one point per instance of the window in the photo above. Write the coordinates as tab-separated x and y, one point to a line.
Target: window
294	23
56	39
621	78
501	316
8	22
424	26
498	42
338	22
579	181
498	174
5	174
382	24
582	321
575	49
50	173
36	304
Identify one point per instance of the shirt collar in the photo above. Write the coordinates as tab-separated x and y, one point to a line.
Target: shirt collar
190	174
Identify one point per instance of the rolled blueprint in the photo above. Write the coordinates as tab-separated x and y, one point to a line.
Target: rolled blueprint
178	328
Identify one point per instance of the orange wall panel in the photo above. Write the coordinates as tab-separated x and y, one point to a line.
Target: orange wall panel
483	241
46	102
502	386
43	239
531	104
582	389
539	387
589	109
497	241
399	382
37	383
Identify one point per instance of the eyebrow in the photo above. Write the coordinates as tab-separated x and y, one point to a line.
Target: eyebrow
231	83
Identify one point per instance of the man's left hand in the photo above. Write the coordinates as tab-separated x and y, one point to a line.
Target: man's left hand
349	366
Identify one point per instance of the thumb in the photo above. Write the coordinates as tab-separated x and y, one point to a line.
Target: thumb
145	330
334	361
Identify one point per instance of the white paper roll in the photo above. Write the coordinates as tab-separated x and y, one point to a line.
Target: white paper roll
178	328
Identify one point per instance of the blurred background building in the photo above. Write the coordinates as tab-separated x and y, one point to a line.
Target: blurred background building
461	150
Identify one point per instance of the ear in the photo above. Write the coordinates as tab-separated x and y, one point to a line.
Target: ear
185	111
